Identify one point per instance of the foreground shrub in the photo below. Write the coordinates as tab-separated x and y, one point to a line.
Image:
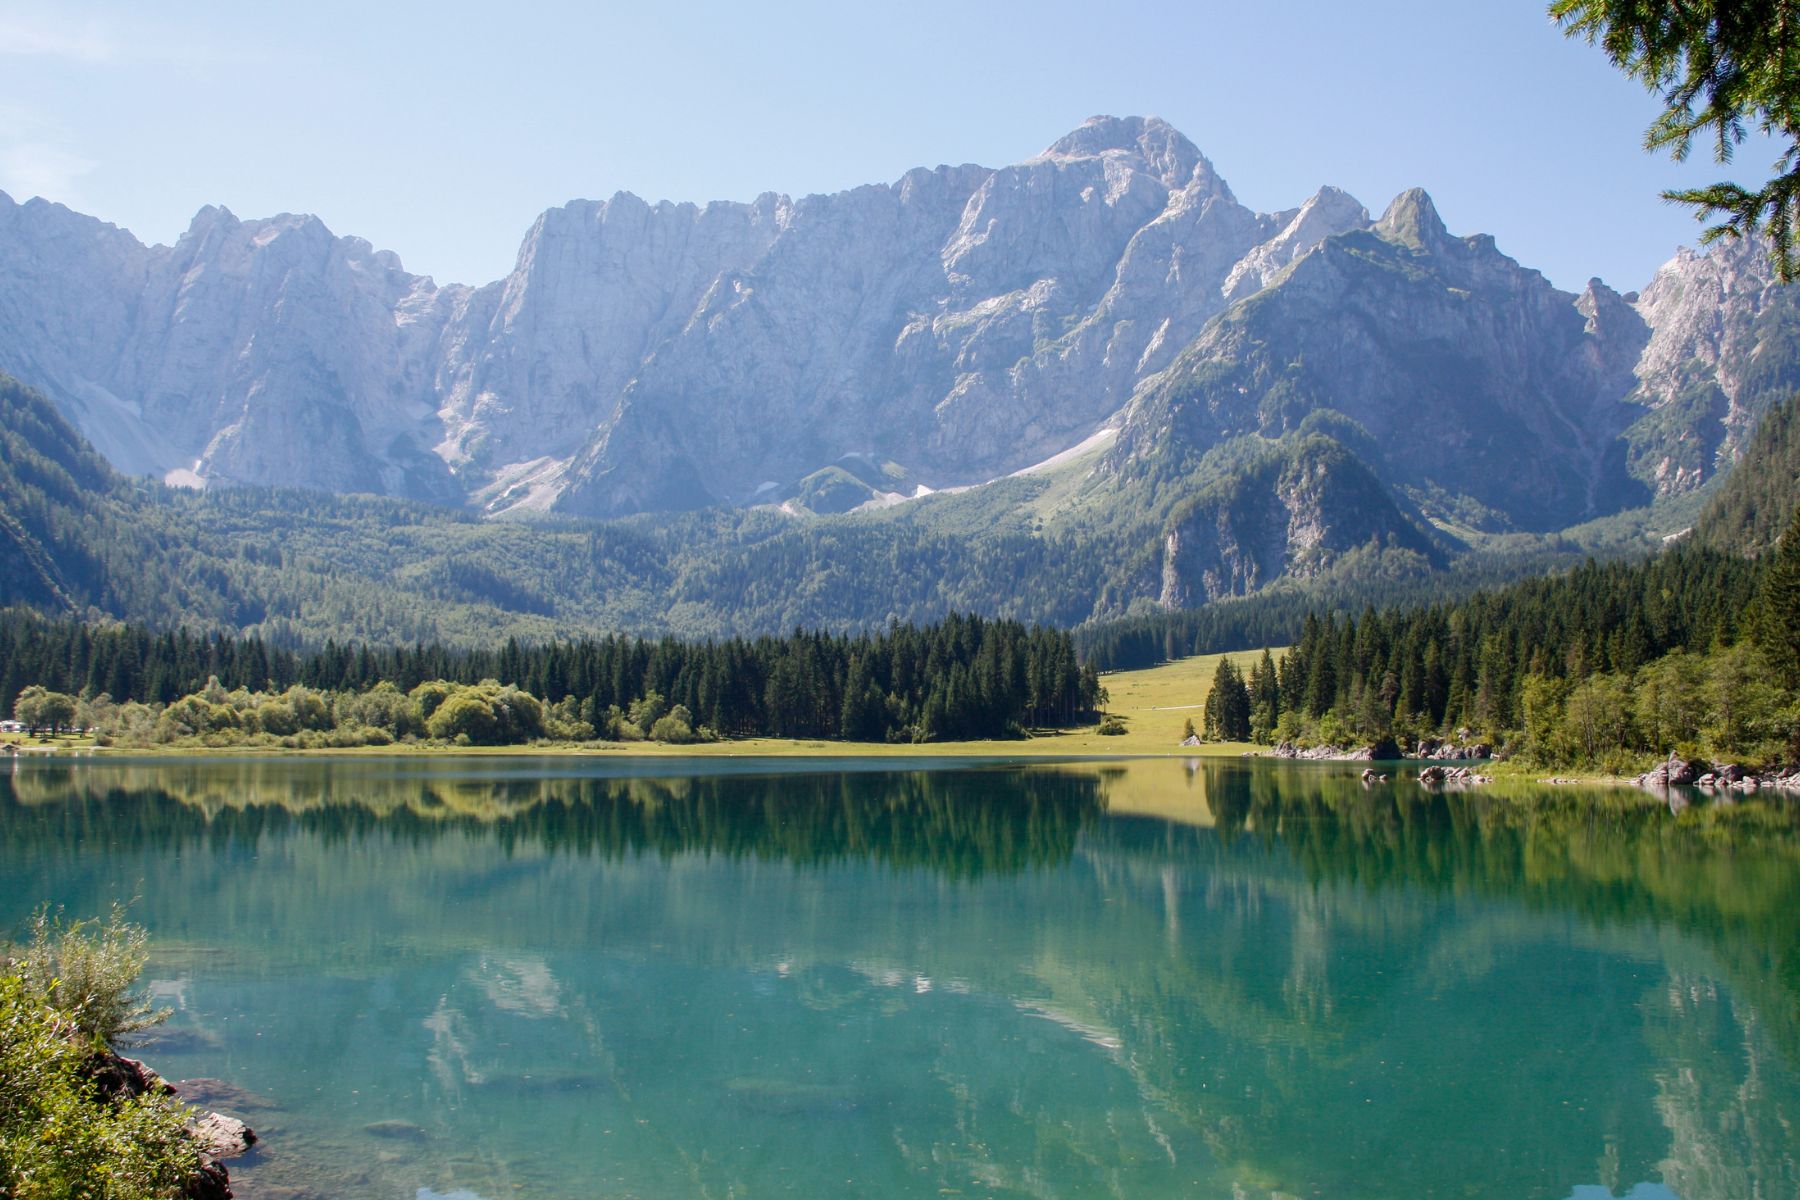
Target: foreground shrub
86	971
60	1137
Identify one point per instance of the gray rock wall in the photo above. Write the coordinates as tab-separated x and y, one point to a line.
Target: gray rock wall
962	323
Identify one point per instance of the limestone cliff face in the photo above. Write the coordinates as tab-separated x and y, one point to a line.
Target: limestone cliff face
1725	345
963	322
532	365
1484	393
70	287
1295	513
956	325
261	351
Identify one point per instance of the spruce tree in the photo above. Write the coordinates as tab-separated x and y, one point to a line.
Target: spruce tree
1265	698
1777	617
1227	709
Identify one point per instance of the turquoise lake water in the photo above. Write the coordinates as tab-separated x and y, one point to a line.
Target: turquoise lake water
503	978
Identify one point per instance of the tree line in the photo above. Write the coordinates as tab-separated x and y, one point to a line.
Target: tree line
965	677
1693	650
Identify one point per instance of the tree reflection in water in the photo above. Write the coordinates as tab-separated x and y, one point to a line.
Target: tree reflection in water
1142	979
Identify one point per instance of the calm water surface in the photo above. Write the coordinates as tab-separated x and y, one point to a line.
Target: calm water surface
503	978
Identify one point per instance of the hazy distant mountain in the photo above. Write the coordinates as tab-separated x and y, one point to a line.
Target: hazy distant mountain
1225	398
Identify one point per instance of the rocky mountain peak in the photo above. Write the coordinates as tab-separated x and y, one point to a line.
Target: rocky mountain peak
38	204
1724	333
1600	302
209	220
1151	144
956	326
1329	212
1412	220
37	225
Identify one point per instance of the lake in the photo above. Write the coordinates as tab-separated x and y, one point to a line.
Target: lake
422	978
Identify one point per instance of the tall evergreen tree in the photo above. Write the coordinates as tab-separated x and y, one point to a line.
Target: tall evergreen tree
1777	619
1228	705
1265	698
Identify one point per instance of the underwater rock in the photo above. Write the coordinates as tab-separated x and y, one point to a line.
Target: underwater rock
399	1131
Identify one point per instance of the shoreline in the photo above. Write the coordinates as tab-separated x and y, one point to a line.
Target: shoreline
1021	750
1070	747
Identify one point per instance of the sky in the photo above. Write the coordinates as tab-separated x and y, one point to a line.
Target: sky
441	130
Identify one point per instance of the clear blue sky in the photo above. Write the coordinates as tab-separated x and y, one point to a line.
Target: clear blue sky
440	130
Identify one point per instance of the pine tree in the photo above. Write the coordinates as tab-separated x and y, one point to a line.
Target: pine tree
1265	698
1777	617
1227	711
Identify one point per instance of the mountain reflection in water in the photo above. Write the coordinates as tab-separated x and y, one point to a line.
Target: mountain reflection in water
509	977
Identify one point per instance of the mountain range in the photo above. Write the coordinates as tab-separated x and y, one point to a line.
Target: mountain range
1098	350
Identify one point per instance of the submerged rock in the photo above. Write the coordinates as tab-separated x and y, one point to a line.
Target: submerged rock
223	1095
1437	776
399	1131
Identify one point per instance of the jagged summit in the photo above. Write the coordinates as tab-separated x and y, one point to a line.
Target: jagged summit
1330	211
1412	220
1161	149
959	325
211	215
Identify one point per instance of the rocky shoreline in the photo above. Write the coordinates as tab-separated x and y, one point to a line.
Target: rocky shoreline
218	1136
1720	777
1325	753
1433	751
1436	776
1387	750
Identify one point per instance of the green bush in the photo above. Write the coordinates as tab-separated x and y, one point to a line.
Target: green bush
676	728
59	1138
86	971
645	712
466	716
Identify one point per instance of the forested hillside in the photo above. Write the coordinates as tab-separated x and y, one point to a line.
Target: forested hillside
1695	649
1752	506
1745	516
299	568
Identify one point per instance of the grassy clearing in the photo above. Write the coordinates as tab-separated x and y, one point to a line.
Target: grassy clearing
1154	704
